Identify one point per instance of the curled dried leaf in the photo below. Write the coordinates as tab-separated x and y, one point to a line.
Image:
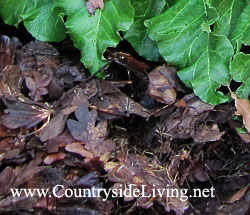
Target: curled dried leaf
37	85
238	195
51	158
161	86
92	5
8	47
243	109
78	149
10	83
189	120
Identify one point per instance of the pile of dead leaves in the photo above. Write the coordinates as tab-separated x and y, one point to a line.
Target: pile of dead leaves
143	127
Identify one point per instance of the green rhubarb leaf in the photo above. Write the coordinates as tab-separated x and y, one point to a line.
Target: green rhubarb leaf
92	34
13	11
240	72
176	29
202	56
234	21
41	18
45	22
211	13
169	3
71	8
210	69
137	34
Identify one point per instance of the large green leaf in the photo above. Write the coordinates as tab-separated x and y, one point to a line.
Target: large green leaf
234	19
137	34
183	40
240	71
209	67
40	17
13	11
92	34
169	3
176	29
45	22
71	8
211	13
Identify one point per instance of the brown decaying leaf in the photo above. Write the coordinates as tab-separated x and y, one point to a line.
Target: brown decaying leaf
112	103
37	85
28	171
53	128
8	47
238	195
78	149
7	144
13	178
10	87
104	96
57	123
31	176
38	62
7	177
37	57
10	83
63	139
237	124
22	112
183	165
9	155
240	207
190	121
45	71
206	133
76	205
4	132
23	115
51	158
92	5
245	136
64	77
162	86
139	170
243	109
92	135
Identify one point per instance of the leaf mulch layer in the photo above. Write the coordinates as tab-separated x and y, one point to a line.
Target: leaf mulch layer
140	126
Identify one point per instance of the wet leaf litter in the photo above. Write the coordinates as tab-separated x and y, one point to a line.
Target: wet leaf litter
57	128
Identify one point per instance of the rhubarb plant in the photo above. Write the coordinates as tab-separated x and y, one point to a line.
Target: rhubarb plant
204	39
